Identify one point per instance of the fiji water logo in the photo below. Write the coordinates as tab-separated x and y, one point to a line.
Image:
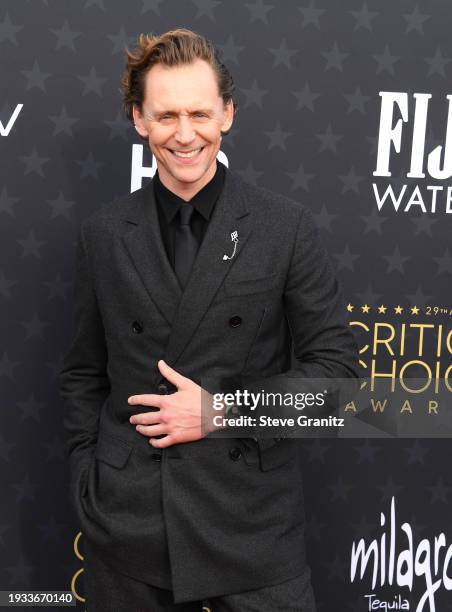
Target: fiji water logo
396	560
402	131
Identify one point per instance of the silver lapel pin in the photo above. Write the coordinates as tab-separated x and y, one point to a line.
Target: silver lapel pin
235	240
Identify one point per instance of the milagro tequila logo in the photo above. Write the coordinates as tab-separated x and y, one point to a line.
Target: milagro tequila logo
395	560
438	162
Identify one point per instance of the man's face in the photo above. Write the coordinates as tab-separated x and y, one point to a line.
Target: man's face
183	112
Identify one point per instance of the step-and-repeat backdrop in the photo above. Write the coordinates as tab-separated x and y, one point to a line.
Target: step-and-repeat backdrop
343	106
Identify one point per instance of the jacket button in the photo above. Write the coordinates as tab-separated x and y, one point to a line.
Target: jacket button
235	453
156	456
235	321
137	328
162	389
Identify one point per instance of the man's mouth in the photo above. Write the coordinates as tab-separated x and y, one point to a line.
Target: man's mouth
186	154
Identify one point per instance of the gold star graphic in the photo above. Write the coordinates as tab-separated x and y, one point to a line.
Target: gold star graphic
398	310
365	308
350	308
382	309
415	310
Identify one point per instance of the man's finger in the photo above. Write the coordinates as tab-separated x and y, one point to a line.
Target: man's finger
147	399
162	442
152	430
170	374
146	418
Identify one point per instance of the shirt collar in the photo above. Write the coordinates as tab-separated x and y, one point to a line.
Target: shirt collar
203	201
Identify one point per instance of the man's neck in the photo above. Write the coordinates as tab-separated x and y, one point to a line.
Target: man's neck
187	191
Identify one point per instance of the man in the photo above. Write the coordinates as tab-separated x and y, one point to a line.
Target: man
195	275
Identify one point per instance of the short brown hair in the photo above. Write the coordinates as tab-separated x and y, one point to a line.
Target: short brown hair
176	47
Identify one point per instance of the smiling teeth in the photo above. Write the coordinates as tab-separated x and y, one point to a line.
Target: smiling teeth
188	154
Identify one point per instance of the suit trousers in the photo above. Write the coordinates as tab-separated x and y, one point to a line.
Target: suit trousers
107	590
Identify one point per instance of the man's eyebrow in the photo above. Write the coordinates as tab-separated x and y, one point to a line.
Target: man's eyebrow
173	112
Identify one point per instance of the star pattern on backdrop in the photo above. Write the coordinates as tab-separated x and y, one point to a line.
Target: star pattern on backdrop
364	17
357	100
254	94
92	83
300	178
282	55
206	8
396	261
65	37
119	127
437	63
329	140
35	77
63	124
305	98
120	41
258	11
334	58
415	20
444	263
277	137
386	61
34	162
324	219
311	14
8	30
230	50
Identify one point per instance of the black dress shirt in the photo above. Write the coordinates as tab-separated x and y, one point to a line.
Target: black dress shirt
168	205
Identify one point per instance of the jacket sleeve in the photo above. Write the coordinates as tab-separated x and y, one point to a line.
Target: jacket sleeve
323	343
324	352
84	383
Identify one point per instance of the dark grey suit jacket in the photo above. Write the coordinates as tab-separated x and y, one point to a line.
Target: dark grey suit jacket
219	515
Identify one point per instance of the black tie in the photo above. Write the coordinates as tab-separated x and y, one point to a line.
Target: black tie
186	245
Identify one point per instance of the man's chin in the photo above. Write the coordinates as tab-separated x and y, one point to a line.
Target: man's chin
189	174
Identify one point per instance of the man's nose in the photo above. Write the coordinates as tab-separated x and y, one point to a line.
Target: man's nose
185	131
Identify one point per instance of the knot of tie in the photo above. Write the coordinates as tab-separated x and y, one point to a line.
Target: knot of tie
186	211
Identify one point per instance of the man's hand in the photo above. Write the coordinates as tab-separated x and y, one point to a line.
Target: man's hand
179	415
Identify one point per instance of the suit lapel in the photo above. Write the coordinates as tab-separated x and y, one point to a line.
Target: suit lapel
184	310
210	269
146	249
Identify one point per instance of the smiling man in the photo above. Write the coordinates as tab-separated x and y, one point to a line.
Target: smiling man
184	138
196	275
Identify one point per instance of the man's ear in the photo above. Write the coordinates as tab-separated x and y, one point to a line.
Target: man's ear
228	117
139	122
